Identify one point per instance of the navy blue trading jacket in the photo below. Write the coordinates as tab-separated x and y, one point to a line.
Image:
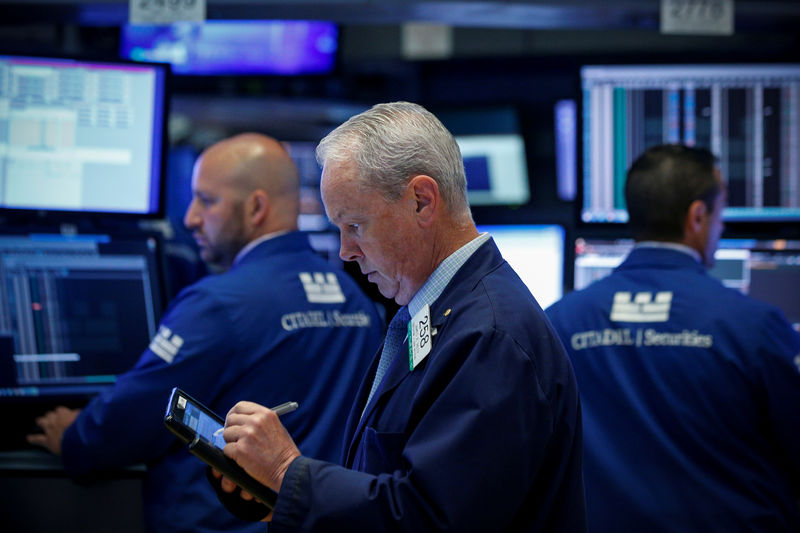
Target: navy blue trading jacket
690	394
281	325
483	435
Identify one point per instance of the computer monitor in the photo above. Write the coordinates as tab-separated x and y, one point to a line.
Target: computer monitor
746	114
497	173
74	313
81	136
597	258
231	47
767	270
536	253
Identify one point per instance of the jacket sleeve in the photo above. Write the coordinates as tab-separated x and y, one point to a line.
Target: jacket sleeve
124	425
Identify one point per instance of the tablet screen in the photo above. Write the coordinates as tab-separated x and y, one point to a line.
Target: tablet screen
207	427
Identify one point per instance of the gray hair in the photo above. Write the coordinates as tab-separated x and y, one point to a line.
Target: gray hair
391	143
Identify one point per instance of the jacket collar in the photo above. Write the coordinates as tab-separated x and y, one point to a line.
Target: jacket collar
292	241
660	258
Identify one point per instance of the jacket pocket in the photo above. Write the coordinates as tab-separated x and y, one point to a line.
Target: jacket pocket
381	452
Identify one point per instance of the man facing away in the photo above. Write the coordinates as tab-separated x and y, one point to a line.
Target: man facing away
280	324
690	390
469	418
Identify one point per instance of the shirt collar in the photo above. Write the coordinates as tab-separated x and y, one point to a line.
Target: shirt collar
255	242
671	246
437	281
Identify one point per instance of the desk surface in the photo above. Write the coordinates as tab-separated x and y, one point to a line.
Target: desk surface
41	461
37	460
38	497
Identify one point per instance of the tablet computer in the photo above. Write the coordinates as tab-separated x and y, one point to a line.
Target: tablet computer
201	429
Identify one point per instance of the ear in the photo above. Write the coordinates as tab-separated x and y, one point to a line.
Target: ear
425	192
696	218
257	207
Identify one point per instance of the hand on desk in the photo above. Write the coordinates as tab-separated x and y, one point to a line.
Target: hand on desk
53	425
259	443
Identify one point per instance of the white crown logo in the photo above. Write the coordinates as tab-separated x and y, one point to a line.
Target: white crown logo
642	307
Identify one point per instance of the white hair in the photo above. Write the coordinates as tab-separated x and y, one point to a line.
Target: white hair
390	143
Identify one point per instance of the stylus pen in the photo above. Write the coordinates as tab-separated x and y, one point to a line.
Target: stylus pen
281	409
284	408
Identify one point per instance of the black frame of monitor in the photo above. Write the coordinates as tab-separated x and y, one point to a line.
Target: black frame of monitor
769	228
55	217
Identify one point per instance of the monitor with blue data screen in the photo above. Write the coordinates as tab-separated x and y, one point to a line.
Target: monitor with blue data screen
496	168
81	136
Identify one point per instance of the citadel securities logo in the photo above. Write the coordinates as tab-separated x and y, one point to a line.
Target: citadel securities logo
166	344
325	289
322	288
642	307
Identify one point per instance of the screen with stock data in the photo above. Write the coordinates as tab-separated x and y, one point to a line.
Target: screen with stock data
74	312
748	115
82	136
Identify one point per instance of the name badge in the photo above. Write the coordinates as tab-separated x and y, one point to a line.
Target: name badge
419	331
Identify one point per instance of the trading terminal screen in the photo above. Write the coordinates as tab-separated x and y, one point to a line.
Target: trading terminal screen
81	136
74	312
747	115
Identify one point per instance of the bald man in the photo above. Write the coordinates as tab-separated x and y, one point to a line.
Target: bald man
243	188
277	323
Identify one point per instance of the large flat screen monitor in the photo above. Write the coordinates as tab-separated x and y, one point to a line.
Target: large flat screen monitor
216	47
74	313
536	253
746	114
768	270
81	136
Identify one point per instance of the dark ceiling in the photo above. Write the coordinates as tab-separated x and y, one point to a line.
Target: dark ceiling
528	14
